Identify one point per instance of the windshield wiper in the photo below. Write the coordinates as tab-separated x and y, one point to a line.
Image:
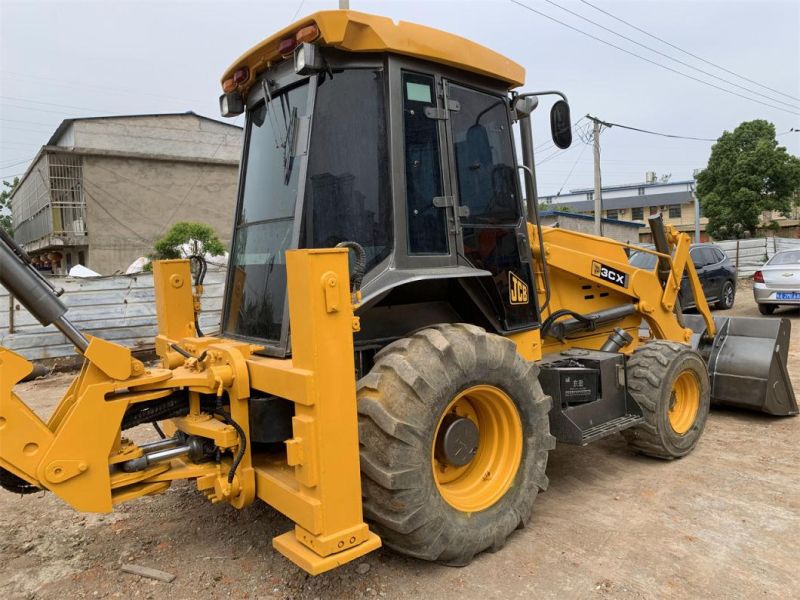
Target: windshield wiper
288	147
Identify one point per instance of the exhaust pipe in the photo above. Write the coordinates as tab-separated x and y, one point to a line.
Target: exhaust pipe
26	284
747	362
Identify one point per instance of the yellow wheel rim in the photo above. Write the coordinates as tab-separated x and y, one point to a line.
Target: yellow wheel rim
685	402
486	478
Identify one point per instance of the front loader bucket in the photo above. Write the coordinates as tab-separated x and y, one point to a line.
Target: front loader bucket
747	362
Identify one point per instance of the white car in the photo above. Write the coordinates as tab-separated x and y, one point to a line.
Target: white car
777	283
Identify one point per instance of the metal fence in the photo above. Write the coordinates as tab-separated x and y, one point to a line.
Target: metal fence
748	255
120	308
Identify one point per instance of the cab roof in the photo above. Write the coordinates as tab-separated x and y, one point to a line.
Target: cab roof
360	32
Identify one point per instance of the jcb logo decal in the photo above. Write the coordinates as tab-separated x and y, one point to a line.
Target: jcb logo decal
517	289
609	274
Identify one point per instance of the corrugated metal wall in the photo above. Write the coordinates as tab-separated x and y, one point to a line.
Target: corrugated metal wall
119	308
748	255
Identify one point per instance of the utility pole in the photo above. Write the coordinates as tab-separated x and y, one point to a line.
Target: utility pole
696	216
344	4
597	126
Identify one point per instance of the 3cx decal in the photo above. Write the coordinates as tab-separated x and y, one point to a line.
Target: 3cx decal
517	289
609	274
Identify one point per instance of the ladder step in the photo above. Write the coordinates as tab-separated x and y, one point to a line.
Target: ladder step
609	427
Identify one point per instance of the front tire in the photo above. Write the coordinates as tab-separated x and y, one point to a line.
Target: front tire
669	381
727	296
418	500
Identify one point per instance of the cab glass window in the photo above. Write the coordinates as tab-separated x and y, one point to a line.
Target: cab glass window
348	188
484	157
266	219
427	233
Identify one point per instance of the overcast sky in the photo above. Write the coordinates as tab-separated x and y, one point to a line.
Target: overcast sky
70	59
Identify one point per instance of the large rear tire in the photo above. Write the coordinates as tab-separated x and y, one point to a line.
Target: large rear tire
669	381
419	501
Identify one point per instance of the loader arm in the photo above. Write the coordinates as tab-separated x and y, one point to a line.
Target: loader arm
591	276
572	257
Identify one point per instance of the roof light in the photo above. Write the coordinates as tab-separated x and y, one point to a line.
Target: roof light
228	85
231	104
241	75
286	46
307	34
307	59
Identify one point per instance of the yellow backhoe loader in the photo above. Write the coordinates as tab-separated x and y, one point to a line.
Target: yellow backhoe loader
402	342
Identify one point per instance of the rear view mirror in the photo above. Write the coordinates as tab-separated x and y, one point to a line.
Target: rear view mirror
561	125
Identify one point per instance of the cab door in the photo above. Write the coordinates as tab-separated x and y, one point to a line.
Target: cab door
428	235
491	228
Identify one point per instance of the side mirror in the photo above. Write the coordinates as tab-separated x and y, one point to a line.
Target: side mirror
561	125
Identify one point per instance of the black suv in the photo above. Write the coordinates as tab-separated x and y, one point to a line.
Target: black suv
715	269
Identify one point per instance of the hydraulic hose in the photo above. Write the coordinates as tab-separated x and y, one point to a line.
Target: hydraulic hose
242	441
360	264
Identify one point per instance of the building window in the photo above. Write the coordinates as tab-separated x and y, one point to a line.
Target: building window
590	196
654	210
612	214
637	213
81	258
640	191
674	211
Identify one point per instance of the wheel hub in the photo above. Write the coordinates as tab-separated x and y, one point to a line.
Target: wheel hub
457	443
477	448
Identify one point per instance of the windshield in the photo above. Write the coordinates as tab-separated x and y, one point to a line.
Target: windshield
791	257
265	223
643	260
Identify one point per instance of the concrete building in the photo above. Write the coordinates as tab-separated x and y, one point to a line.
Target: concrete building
622	231
638	201
104	189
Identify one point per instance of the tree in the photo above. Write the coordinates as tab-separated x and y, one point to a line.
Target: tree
747	174
5	204
186	239
546	206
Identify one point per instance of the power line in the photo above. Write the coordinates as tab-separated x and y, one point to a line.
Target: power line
667	135
708	62
652	62
115	90
19	162
50	104
297	12
667	56
572	170
550	143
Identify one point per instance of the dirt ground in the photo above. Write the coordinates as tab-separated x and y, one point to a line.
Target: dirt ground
723	522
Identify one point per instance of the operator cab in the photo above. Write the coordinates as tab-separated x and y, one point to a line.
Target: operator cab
411	159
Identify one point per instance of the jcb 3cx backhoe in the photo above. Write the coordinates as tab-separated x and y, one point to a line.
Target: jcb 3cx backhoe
409	396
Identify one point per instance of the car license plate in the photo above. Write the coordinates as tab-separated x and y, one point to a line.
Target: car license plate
788	295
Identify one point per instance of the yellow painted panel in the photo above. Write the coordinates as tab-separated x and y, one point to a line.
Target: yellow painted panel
360	32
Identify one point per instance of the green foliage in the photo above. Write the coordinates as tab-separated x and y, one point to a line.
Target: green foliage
5	205
201	239
545	206
747	174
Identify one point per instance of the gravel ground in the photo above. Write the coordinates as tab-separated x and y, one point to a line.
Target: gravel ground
723	522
